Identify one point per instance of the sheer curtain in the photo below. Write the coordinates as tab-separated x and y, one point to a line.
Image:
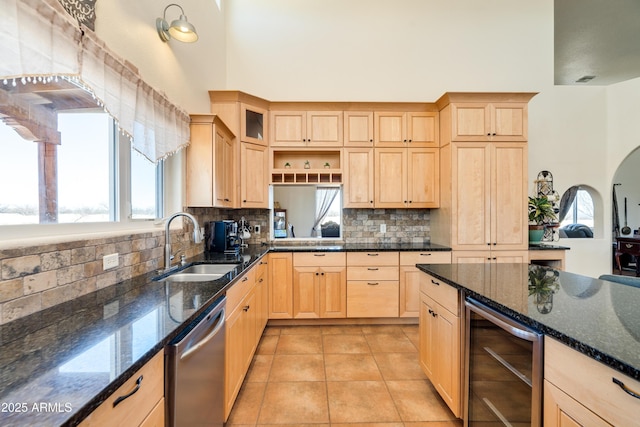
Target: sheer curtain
40	42
324	198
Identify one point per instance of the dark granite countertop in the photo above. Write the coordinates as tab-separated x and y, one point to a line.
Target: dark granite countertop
360	247
598	318
547	247
75	354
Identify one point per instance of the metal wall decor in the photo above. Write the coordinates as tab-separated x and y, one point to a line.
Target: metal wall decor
83	10
544	187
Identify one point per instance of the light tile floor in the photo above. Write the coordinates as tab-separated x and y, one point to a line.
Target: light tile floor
339	376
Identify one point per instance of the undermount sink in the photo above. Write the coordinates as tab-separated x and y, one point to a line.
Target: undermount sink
201	273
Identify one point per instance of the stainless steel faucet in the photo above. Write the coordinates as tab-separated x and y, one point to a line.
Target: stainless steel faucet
167	236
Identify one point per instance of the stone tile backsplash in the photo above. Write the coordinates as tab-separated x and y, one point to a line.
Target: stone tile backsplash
34	278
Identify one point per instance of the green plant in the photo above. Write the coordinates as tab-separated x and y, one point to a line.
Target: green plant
543	281
541	211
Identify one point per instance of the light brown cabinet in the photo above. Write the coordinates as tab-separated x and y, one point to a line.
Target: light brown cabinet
440	340
210	158
306	128
580	391
410	278
399	129
280	285
373	288
254	181
482	121
319	285
141	407
407	178
358	128
359	178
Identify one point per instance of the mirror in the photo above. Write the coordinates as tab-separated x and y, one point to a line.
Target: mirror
306	212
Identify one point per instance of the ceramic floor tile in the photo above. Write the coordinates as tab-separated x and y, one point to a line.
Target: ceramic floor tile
351	367
297	367
367	425
452	423
294	403
299	344
259	369
267	344
418	401
345	344
382	329
390	343
360	402
271	330
339	329
248	403
301	330
400	366
413	334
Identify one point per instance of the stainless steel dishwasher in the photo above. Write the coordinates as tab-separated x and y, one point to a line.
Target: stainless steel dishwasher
195	372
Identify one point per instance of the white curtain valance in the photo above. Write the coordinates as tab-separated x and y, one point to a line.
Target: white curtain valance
39	39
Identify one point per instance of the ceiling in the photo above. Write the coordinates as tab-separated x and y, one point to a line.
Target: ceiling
599	38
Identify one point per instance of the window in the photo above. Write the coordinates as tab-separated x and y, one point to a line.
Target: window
577	212
81	179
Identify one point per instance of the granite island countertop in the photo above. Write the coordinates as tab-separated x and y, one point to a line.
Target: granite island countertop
595	317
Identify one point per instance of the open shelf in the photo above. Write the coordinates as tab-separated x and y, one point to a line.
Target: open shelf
306	176
288	167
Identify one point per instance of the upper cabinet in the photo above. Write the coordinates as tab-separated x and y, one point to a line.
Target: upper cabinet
397	129
358	128
210	159
306	128
253	124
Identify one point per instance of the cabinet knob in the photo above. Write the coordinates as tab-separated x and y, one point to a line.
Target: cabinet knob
322	274
246	308
317	273
244	201
226	200
405	140
489	134
493	134
371	140
411	140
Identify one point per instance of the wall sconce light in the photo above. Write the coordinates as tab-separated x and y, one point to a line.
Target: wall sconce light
180	28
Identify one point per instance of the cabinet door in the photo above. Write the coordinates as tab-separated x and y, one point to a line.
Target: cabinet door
561	410
359	172
280	286
225	170
333	292
509	122
234	358
199	159
509	210
288	128
390	183
410	291
306	292
253	124
390	129
447	361
324	128
423	178
427	330
470	122
372	298
422	129
470	191
254	182
358	129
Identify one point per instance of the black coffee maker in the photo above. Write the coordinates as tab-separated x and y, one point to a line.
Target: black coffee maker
221	236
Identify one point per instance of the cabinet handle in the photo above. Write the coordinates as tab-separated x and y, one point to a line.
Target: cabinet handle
322	274
488	133
493	134
317	273
244	201
430	311
425	254
319	254
245	278
373	268
226	200
246	308
372	254
434	314
373	283
625	388
126	396
435	283
488	244
411	140
489	259
495	243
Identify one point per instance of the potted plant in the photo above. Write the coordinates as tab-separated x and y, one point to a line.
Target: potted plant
307	165
327	165
541	214
543	283
287	165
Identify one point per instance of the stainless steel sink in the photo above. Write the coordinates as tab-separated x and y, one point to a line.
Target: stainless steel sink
201	273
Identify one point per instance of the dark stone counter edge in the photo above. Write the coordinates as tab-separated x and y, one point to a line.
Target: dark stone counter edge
545	247
427	247
569	341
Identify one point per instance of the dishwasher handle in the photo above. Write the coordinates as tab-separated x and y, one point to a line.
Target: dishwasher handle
220	324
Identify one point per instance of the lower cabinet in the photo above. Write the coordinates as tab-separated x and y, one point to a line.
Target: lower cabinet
246	305
373	288
440	340
280	285
410	278
145	407
580	391
319	285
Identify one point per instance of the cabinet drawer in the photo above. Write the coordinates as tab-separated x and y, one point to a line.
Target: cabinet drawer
591	383
372	273
366	299
133	410
413	258
440	292
319	259
372	258
237	292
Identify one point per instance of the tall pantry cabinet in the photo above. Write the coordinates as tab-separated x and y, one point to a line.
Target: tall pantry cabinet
483	213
